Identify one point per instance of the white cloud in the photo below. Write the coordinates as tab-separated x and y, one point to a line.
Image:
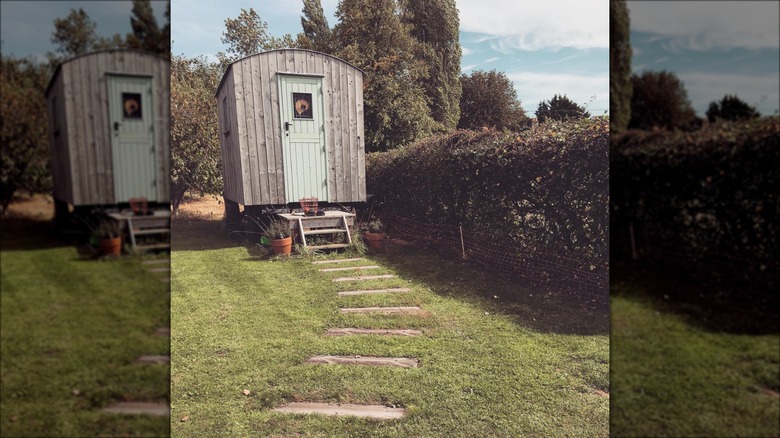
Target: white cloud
705	87
465	51
493	59
707	25
537	25
533	88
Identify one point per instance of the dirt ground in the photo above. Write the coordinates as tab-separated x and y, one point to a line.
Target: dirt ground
208	207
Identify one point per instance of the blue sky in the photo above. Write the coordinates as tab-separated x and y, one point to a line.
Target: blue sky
715	48
545	48
26	26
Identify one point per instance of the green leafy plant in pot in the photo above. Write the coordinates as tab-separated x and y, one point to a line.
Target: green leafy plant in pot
374	234
109	236
280	234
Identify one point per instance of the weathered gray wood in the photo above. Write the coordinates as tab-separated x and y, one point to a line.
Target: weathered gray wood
139	408
351	268
325	262
381	310
378	332
377	412
347	293
363	278
402	362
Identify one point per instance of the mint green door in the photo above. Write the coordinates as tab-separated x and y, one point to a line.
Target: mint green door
303	138
132	137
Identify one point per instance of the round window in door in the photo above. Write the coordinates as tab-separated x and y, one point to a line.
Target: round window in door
131	105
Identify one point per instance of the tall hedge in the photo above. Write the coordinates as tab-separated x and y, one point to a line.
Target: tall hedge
544	190
705	203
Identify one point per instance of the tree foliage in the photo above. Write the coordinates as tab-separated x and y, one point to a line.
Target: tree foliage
147	35
248	34
74	34
731	108
23	128
659	101
371	36
195	149
620	88
560	108
317	35
489	99
434	24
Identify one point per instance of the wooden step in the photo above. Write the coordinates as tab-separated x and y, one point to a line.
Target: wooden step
383	310
143	231
139	408
324	262
363	278
324	231
351	268
377	412
379	332
374	291
329	246
401	362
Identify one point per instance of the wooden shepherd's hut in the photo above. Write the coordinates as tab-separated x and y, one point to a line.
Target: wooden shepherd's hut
109	129
291	127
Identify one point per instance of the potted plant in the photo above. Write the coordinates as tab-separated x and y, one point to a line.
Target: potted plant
109	236
374	234
281	237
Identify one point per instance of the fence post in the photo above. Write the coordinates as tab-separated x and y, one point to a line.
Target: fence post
462	244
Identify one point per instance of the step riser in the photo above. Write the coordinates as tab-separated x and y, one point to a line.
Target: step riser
374	332
324	262
377	412
348	293
381	310
368	277
401	362
353	268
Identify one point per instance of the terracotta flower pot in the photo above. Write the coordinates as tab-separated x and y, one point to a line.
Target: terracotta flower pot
111	246
374	240
282	246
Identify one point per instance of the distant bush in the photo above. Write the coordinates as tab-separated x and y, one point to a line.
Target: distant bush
544	190
705	203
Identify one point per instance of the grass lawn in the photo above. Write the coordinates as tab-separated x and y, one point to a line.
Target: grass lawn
496	358
71	330
676	374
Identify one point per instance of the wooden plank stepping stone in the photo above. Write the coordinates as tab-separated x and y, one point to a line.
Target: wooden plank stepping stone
377	412
351	268
165	280
159	270
367	277
152	359
324	262
140	408
363	331
155	261
162	331
412	309
373	291
402	362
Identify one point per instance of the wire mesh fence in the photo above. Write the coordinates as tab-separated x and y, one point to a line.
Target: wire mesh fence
550	272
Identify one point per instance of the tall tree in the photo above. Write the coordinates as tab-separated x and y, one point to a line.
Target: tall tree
195	149
248	34
317	35
731	108
371	36
147	35
74	34
23	134
659	100
434	24
490	100
620	87
560	108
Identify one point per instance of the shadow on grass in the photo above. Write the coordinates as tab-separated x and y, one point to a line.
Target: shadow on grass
539	310
195	234
711	309
25	234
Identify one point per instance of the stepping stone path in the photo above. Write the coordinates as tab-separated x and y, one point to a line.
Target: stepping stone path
378	412
139	408
153	359
368	411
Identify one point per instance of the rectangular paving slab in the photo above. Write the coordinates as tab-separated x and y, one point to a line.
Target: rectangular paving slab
402	362
153	359
159	270
378	412
162	331
155	261
351	268
412	309
140	408
373	291
380	332
325	262
366	277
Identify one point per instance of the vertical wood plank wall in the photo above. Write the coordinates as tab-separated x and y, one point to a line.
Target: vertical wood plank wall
81	153
252	151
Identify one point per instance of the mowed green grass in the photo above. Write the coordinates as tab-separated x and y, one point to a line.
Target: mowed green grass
243	322
71	330
673	378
